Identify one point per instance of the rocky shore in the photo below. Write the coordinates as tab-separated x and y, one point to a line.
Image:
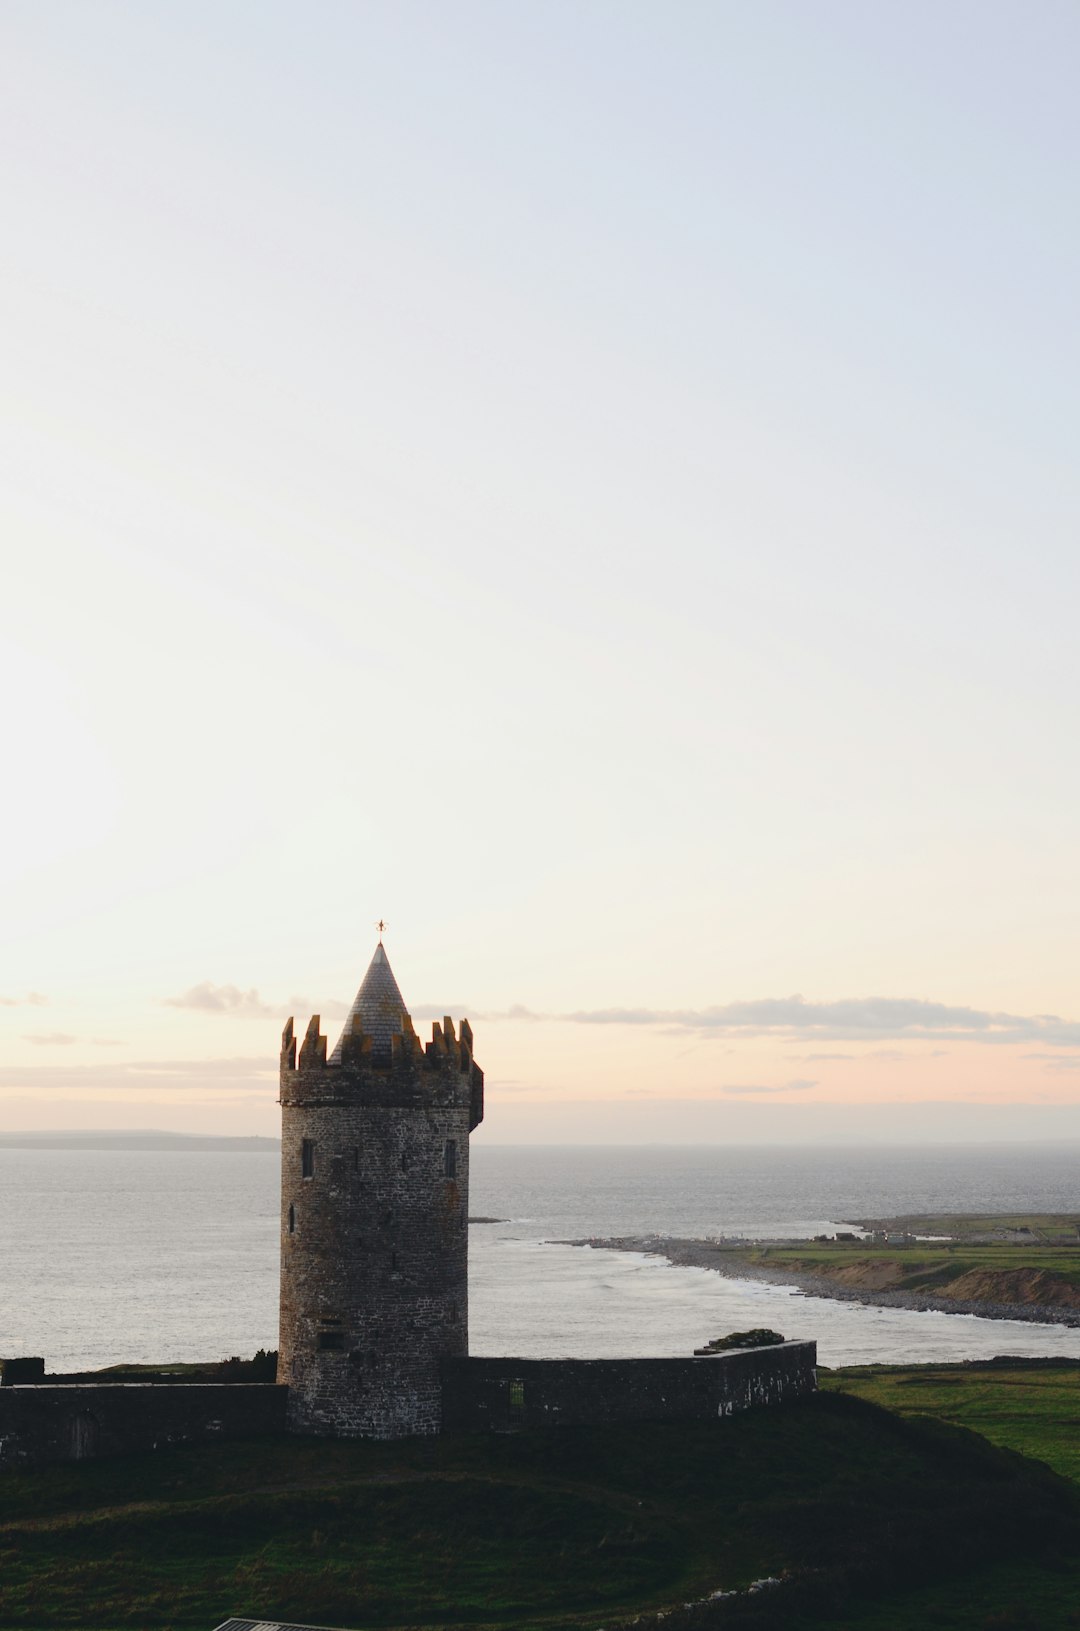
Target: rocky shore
733	1263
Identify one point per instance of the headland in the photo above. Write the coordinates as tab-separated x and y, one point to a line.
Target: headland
995	1268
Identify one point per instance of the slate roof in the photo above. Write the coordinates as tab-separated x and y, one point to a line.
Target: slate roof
380	1006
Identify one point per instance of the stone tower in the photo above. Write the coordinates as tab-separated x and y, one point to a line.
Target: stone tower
374	1216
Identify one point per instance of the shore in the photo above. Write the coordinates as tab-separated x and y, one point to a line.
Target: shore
733	1264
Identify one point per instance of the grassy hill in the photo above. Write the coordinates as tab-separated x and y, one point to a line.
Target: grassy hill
1030	1405
855	1509
1033	1274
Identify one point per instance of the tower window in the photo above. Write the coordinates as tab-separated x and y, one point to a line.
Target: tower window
450	1158
292	1220
331	1341
307	1158
356	1160
517	1397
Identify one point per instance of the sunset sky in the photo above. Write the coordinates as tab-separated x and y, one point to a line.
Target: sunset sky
592	482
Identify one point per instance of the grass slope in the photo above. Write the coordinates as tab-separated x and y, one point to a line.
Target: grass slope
1029	1274
1049	1227
558	1529
1032	1407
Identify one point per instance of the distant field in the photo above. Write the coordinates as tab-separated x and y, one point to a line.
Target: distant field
1043	1226
1032	1273
852	1506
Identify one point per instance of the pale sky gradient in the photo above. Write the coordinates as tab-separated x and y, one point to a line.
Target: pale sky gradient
594	482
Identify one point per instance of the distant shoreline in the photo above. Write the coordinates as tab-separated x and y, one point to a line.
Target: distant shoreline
184	1143
704	1254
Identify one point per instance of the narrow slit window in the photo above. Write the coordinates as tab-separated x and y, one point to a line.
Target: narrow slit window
307	1158
356	1160
292	1220
450	1157
517	1396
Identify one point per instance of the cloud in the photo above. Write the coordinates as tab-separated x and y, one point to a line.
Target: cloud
516	1010
1055	1061
208	998
33	999
851	1019
257	1074
51	1039
304	1005
438	1011
106	1041
798	1086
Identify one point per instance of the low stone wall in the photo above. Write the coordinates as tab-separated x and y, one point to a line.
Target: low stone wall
505	1394
76	1421
14	1372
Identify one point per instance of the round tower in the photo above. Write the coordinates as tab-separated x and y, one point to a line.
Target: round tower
374	1216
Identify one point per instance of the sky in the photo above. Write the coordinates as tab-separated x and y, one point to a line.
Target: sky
593	484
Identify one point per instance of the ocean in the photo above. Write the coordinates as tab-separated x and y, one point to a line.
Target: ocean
157	1256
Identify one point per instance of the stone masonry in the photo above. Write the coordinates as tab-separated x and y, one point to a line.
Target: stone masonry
374	1216
76	1422
507	1395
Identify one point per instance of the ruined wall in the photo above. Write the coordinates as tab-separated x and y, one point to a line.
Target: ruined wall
76	1421
374	1236
15	1372
503	1394
73	1422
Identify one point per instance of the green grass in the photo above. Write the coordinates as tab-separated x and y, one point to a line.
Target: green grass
924	1268
1049	1225
955	1257
563	1528
1034	1409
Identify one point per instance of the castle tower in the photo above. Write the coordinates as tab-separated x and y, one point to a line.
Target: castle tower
374	1216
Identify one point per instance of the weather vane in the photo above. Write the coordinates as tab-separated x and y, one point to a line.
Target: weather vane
382	927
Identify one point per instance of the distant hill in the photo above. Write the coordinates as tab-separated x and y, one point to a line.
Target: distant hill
98	1139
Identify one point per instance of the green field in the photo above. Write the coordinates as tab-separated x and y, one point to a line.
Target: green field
1031	1273
587	1527
1033	1408
1059	1228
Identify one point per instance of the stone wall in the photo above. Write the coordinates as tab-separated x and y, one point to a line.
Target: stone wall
15	1372
74	1422
504	1394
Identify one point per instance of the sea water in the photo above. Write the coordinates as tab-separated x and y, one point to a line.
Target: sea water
109	1256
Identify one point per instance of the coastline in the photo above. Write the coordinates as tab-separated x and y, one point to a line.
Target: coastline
727	1261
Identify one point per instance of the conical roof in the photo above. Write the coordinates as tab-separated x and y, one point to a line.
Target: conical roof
379	1006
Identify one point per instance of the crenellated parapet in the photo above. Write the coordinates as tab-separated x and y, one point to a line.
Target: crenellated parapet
409	1073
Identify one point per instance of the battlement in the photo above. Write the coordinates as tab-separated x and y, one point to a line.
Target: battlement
411	1073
